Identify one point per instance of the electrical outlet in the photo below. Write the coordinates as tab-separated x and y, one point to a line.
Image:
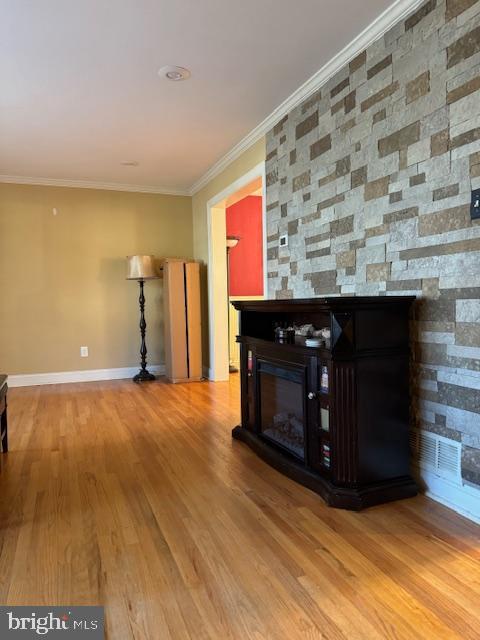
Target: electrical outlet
475	205
84	352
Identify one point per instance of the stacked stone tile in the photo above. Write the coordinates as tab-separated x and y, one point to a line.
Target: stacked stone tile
371	178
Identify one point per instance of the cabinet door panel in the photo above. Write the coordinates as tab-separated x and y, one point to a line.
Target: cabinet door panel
344	431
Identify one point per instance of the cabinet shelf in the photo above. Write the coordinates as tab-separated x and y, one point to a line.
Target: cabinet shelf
299	345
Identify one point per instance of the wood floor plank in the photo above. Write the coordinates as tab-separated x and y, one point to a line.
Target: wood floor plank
136	498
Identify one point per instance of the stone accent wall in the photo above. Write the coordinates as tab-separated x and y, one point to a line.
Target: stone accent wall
371	177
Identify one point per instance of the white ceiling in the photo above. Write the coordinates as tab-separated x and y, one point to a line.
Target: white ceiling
80	91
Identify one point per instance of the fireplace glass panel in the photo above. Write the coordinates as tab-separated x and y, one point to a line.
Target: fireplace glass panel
281	406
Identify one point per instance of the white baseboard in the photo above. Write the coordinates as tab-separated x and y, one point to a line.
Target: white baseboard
462	498
90	375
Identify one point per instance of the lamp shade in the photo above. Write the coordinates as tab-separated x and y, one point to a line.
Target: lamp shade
232	241
141	268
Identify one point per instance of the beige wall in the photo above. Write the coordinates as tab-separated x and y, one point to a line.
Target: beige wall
249	159
62	278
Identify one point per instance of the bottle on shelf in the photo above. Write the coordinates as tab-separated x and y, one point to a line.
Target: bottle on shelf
249	363
324	379
326	455
325	419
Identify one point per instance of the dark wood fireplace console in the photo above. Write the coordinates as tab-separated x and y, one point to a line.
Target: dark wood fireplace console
333	417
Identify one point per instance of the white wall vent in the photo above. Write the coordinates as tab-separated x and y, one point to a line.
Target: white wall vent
436	453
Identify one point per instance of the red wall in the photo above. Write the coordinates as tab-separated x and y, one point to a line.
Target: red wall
244	219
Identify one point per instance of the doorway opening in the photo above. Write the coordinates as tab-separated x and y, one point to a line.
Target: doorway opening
239	212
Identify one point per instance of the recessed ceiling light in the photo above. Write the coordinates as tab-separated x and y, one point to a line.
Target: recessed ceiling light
174	73
129	163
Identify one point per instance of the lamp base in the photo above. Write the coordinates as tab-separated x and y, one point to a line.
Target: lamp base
143	376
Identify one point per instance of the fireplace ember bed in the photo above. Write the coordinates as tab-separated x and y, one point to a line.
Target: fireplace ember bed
334	419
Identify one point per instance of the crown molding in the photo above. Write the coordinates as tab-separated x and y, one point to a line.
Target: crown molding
88	184
393	14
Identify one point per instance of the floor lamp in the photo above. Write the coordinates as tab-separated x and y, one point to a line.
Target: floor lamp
142	268
232	242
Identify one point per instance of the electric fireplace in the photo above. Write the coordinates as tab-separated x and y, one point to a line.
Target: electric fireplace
333	416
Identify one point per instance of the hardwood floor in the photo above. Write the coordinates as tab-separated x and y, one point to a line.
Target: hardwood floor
138	499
